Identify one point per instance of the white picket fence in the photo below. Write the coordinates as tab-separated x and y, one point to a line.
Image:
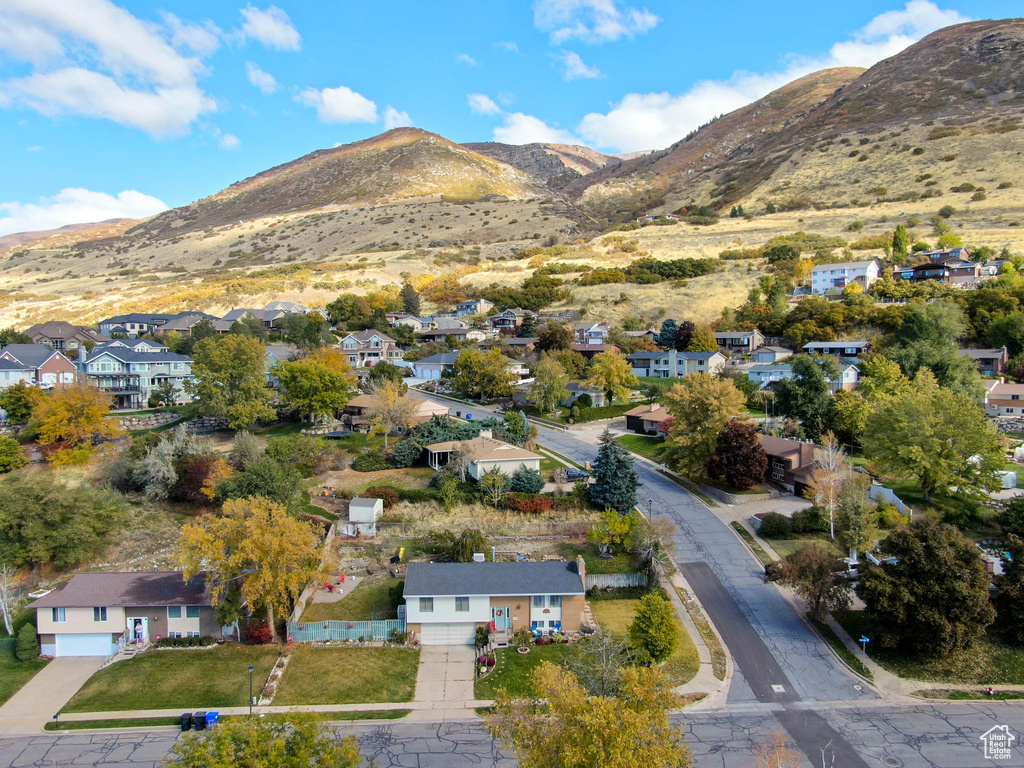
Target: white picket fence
615	580
888	496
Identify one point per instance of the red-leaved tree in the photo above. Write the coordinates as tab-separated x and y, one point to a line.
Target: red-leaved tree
739	459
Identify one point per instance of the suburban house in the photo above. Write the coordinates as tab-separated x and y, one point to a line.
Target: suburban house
590	351
577	390
670	364
64	337
474	307
364	349
457	333
11	373
516	343
183	323
829	278
644	419
953	271
97	614
507	321
990	362
484	453
131	376
277	353
740	342
770	354
841	348
133	324
944	254
49	367
432	367
266	318
1004	398
790	462
363	514
591	333
356	413
446	602
767	374
288	307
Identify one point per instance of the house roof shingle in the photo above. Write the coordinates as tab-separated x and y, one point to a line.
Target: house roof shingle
485	449
548	578
127	589
33	355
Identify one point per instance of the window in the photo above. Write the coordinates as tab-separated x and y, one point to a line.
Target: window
536	625
538	601
461	604
191	634
192	612
59	615
174	612
99	614
555	601
174	634
426	605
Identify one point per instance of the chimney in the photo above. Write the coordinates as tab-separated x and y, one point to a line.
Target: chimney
581	569
485	433
653	407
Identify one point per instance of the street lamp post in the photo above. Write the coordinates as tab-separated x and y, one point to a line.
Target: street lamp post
251	668
650	508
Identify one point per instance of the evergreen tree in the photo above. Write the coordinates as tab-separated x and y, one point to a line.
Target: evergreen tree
410	299
28	643
669	333
528	329
900	242
615	476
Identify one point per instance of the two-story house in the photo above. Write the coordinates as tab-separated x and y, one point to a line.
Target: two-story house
64	337
740	342
446	602
48	366
266	317
766	375
1004	398
183	323
850	349
364	349
133	324
791	463
833	278
98	614
592	333
670	364
130	376
990	362
952	271
507	321
473	307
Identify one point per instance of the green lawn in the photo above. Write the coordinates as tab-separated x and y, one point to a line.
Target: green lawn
369	600
785	547
281	428
358	442
349	676
620	562
200	679
514	671
643	445
852	659
13	673
989	662
616	616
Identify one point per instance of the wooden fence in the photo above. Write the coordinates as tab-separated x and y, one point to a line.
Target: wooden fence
615	580
320	631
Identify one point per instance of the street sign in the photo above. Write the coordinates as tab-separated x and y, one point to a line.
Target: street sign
865	639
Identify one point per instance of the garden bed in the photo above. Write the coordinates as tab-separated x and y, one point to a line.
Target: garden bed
370	600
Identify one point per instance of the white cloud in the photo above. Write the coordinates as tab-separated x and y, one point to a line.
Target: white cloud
201	38
592	21
507	45
482	104
229	141
95	59
574	68
262	80
76	206
339	105
527	129
465	58
272	27
395	119
656	120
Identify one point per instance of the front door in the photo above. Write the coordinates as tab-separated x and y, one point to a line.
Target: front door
502	617
138	630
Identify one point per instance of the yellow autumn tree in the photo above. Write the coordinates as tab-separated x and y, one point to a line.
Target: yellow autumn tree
390	407
577	730
73	417
255	540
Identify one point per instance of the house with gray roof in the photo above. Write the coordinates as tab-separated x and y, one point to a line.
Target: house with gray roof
63	336
48	366
446	602
670	364
130	376
98	614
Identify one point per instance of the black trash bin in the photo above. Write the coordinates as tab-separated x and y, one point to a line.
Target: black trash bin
199	721
186	721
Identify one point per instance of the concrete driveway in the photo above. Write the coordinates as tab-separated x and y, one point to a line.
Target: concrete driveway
27	711
445	680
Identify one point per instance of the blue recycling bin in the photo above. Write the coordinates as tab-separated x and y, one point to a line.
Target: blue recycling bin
211	719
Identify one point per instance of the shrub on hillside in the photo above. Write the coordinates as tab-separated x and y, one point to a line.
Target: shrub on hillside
389	496
775	526
526	481
809	520
370	462
28	643
258	633
530	505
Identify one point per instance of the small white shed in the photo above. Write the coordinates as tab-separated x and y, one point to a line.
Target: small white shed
363	514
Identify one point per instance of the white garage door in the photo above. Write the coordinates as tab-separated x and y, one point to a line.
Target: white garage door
84	645
448	634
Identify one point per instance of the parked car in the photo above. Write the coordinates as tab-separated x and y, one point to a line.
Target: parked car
574	474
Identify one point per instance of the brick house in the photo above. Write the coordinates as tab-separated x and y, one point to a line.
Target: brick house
49	367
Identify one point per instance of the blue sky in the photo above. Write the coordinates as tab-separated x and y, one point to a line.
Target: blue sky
119	108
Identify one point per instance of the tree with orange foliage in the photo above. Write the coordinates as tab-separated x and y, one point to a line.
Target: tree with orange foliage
73	417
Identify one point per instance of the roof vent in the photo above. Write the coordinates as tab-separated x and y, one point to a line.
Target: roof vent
479	557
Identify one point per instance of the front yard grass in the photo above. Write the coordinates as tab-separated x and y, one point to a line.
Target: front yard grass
616	616
370	600
349	676
989	661
172	679
14	673
787	546
620	562
514	671
643	445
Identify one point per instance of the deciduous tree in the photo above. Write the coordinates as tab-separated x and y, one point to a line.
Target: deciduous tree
74	416
275	555
494	484
702	340
549	382
807	397
1010	599
818	577
12	455
831	468
576	730
739	458
390	408
319	384
229	379
483	375
555	337
611	373
10	595
18	400
700	406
